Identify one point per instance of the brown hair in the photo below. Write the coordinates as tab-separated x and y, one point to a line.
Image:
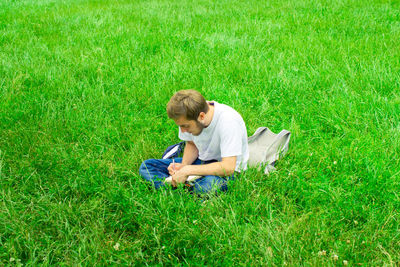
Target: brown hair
187	103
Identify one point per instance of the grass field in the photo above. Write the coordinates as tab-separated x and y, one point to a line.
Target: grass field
83	90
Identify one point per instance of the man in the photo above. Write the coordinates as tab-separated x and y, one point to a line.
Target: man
216	144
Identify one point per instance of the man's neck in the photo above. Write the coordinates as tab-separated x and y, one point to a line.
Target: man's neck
209	115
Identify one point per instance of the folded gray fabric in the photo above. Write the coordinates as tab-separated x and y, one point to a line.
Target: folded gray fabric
266	147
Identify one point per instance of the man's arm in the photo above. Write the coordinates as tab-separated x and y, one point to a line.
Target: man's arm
224	168
190	153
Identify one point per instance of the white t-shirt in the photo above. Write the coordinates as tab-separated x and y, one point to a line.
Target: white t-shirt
226	136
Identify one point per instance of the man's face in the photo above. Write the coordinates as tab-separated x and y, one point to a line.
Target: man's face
191	126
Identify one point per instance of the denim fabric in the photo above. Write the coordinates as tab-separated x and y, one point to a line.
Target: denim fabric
155	171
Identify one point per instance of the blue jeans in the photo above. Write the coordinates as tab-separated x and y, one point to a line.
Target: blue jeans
155	171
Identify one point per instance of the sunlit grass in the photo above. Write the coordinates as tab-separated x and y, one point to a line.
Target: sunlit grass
83	89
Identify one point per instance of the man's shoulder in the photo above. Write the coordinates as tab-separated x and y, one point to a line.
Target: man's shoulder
228	113
230	122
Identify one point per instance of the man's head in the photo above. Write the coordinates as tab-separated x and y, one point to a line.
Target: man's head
188	108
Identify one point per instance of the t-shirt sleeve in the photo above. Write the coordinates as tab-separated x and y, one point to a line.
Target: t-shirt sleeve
185	136
231	139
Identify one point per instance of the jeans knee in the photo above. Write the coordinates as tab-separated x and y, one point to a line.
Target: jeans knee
143	169
210	184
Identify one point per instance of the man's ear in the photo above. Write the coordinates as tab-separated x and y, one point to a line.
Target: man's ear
201	117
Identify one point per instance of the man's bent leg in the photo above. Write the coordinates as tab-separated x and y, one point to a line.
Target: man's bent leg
211	183
156	170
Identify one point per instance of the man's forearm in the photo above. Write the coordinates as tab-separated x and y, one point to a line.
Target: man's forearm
190	153
216	168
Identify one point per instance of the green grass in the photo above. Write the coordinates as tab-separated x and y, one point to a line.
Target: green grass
83	90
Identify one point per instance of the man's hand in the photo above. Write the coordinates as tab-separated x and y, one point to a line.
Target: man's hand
173	169
180	176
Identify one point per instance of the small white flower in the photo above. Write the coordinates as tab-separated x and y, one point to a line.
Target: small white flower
322	253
